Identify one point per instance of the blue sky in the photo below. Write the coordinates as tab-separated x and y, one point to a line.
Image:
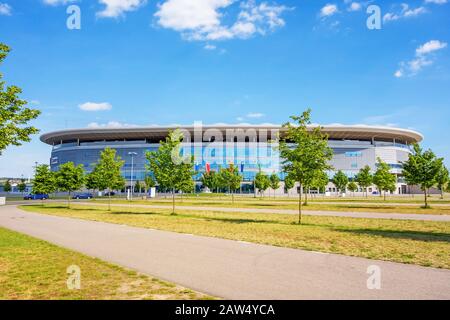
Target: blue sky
178	61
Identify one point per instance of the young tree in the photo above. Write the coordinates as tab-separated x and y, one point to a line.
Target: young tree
288	184
340	180
187	185
352	187
210	180
364	178
262	182
230	179
14	115
442	180
69	178
44	181
304	152
169	168
149	182
7	186
137	187
274	182
422	169
383	178
320	181
91	181
107	173
22	186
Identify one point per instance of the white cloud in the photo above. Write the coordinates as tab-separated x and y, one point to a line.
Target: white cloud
116	8
111	124
201	20
255	115
436	1
414	12
390	17
422	58
405	12
93	106
430	46
210	47
328	10
58	2
398	74
355	6
5	9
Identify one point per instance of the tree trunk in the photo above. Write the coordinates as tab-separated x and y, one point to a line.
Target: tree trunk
109	200
426	200
442	193
173	201
306	198
384	195
68	201
300	205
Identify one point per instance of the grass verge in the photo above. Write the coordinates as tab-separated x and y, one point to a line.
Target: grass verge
35	269
293	205
425	243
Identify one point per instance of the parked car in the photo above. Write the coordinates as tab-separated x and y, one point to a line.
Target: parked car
110	193
37	196
83	196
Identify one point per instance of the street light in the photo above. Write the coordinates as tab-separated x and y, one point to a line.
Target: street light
132	154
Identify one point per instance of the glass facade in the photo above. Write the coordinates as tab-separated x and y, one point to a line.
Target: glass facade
349	156
247	159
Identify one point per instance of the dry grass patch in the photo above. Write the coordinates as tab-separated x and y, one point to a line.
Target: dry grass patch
35	269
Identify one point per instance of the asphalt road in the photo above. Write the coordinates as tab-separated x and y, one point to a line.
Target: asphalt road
369	215
232	269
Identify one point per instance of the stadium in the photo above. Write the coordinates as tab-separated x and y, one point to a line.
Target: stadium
249	147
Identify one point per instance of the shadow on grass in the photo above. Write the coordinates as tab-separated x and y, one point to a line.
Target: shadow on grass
396	234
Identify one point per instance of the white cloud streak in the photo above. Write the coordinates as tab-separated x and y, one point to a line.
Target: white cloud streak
255	115
117	8
405	12
93	106
110	124
58	2
423	58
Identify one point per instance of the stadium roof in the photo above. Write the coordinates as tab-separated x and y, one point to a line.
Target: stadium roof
157	133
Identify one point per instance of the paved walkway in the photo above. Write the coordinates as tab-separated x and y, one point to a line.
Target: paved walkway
370	215
232	269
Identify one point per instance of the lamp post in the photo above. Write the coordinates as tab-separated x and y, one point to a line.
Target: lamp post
132	154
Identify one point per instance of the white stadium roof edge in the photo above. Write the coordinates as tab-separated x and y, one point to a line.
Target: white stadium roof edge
344	132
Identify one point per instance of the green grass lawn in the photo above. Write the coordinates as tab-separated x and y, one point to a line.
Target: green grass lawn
35	269
293	205
425	243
